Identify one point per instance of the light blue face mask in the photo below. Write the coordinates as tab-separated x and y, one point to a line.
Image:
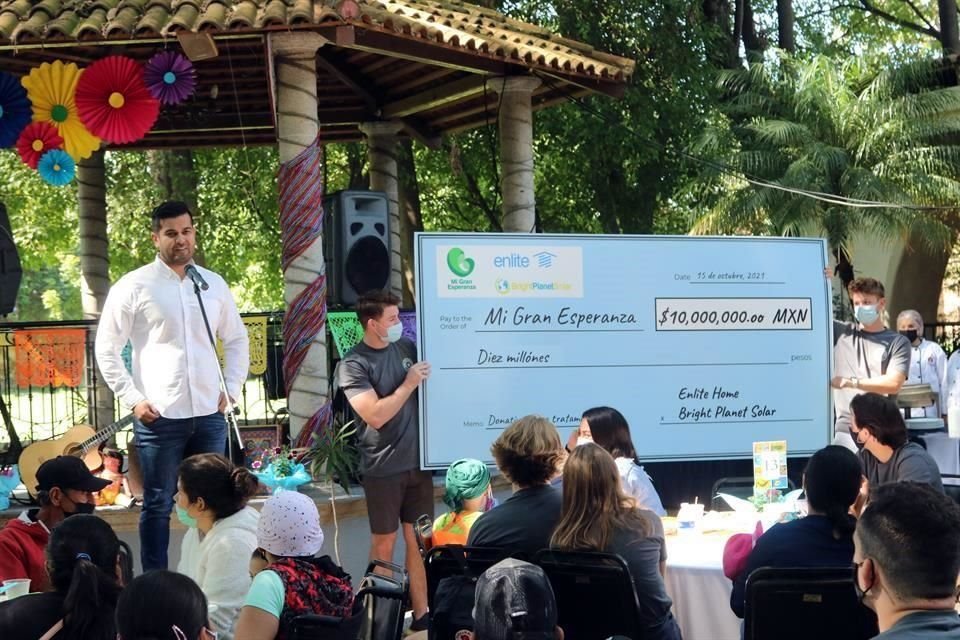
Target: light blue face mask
394	332
185	518
866	314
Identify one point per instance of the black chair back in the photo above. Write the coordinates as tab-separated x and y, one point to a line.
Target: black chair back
805	603
384	598
457	560
318	627
126	563
596	596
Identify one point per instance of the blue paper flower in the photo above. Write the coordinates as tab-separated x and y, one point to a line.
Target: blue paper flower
15	109
57	167
289	482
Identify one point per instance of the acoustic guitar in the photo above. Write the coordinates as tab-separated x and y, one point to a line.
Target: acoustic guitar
80	441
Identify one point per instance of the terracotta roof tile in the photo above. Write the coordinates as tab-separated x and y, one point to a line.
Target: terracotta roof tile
449	23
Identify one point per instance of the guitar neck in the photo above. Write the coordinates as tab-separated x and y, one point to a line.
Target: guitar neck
101	436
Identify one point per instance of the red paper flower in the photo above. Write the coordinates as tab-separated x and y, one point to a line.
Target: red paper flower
35	140
113	101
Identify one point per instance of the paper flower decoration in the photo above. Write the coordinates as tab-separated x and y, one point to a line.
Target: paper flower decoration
15	111
281	471
57	167
113	101
51	88
170	77
35	140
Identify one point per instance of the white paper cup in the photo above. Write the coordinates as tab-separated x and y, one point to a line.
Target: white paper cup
20	587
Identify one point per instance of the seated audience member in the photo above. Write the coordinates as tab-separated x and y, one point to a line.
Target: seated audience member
294	582
906	560
886	454
84	561
211	501
468	495
514	600
824	538
163	605
608	428
529	454
598	516
64	487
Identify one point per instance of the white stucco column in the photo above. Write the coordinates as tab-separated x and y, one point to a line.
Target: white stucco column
516	151
297	127
382	156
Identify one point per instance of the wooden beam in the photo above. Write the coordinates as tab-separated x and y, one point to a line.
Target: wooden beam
445	94
356	83
422	133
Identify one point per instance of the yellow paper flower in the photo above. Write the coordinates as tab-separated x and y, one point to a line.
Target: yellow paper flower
51	88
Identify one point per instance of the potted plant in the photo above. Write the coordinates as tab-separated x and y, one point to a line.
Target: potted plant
334	460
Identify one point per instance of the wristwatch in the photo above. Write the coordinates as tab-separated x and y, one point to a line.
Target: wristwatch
855	383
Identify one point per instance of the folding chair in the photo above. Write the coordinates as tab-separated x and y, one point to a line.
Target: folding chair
384	599
319	627
803	603
596	596
456	560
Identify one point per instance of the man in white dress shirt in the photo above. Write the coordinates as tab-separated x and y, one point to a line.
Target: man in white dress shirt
928	364
173	387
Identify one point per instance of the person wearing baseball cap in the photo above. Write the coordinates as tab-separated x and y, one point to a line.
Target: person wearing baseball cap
294	582
65	487
514	601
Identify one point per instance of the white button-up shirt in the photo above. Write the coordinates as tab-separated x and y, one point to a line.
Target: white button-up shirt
928	365
174	364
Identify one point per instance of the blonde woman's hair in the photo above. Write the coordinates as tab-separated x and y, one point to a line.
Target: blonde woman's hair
594	504
529	451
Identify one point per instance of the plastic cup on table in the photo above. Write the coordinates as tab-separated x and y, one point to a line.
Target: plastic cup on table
16	587
688	518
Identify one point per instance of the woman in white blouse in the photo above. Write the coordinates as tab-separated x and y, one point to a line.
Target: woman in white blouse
608	428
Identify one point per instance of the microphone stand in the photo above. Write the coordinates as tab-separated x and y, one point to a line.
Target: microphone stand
231	411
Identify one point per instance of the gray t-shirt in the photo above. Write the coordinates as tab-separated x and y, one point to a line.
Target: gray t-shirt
394	447
924	625
643	555
909	463
864	354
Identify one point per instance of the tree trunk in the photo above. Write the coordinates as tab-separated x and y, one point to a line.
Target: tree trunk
949	34
738	16
785	24
725	53
94	268
174	173
411	218
753	43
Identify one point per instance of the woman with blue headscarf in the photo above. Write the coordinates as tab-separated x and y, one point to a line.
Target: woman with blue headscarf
468	495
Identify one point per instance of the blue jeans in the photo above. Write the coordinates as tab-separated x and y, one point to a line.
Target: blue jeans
162	445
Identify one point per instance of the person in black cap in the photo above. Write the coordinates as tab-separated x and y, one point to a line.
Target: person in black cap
514	601
65	487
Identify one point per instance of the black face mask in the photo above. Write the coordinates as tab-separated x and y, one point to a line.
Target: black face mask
85	508
910	334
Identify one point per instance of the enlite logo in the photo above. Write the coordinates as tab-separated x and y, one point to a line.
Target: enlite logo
459	263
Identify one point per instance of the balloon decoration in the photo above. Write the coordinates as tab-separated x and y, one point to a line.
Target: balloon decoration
60	114
114	102
51	88
57	167
170	77
35	140
15	111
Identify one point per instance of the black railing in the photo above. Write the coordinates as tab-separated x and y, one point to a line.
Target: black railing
946	334
40	412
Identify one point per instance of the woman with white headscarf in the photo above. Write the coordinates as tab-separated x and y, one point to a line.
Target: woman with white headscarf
294	582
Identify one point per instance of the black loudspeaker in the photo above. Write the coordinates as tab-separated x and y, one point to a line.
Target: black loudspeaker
10	271
356	245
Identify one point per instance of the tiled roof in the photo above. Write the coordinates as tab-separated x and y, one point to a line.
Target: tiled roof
450	24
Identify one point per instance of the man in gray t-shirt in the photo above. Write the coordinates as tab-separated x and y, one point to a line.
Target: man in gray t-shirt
380	377
867	355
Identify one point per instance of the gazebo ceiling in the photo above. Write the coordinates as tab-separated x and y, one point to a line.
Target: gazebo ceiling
426	64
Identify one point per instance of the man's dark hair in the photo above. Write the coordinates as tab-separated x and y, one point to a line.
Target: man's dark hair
880	415
912	531
370	305
866	286
832	483
167	210
529	451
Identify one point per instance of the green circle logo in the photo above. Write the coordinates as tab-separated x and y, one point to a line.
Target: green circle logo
459	263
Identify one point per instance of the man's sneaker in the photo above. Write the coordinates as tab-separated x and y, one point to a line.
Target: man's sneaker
421	624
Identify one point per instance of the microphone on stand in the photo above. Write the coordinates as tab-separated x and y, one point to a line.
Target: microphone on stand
195	276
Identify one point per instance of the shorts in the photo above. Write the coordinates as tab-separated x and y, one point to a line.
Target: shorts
401	497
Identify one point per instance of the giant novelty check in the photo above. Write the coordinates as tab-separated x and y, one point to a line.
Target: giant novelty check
706	345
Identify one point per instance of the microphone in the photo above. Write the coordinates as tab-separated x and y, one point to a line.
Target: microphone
194	275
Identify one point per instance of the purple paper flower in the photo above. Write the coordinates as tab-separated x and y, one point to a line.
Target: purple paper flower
170	77
15	109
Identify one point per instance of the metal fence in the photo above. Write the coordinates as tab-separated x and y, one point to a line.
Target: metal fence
946	334
39	412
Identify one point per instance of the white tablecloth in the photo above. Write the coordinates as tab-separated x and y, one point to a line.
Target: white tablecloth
698	588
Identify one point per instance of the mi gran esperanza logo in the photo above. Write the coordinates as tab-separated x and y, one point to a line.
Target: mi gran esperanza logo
461	266
459	263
